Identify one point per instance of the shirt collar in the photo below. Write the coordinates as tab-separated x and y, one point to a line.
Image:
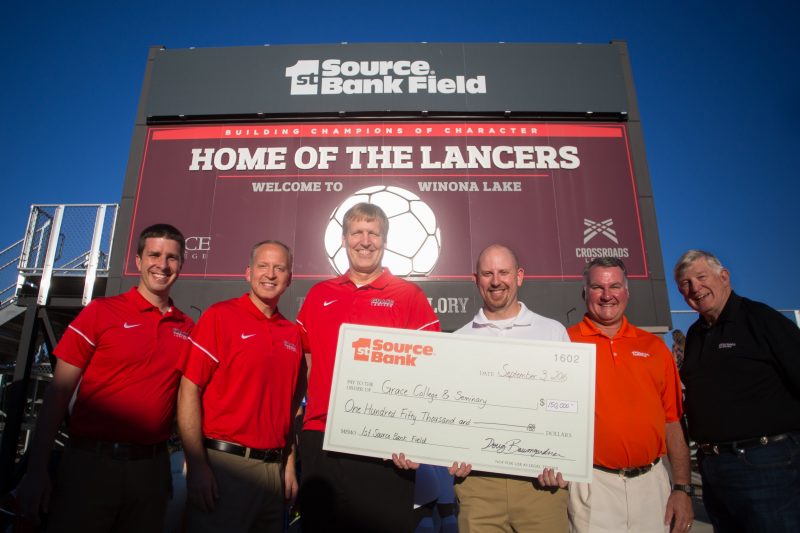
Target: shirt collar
525	317
589	328
247	304
378	283
140	302
728	313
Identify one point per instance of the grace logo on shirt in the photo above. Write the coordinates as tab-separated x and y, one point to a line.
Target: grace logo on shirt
290	346
180	334
640	354
388	352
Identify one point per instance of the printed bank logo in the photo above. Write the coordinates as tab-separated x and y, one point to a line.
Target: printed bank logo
388	352
602	229
334	76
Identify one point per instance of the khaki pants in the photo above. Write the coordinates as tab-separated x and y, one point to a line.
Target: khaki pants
96	493
613	504
490	503
250	497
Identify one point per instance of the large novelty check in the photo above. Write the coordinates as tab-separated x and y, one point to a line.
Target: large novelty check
504	405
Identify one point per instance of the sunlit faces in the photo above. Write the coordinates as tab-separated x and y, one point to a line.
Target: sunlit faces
159	265
704	289
365	243
606	295
269	275
498	279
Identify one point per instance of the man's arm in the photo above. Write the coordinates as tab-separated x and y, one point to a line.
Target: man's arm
33	491
200	482
679	513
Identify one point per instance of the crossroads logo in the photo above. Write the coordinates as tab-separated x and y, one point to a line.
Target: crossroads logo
334	76
605	231
594	228
390	353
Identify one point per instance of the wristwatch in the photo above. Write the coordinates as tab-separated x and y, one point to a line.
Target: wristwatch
688	489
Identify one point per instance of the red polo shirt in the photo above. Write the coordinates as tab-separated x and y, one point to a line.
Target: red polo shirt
128	351
388	301
247	365
637	392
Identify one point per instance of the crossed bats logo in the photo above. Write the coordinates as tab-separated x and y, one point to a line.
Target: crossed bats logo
594	228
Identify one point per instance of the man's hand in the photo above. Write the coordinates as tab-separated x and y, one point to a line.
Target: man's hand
402	463
290	486
201	486
679	513
549	478
33	495
460	470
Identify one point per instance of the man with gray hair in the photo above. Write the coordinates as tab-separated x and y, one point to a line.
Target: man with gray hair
637	413
741	370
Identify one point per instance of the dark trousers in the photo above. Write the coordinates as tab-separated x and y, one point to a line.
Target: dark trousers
343	492
95	493
754	490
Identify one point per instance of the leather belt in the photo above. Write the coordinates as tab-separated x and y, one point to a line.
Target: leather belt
633	471
271	455
121	451
710	448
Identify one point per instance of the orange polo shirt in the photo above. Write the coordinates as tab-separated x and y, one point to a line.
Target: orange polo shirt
637	393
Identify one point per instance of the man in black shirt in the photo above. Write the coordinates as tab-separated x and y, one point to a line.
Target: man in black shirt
741	371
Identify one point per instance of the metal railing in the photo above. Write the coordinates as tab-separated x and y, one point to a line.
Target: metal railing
60	240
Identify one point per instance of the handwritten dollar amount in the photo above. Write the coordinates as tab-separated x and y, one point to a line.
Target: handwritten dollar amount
561	406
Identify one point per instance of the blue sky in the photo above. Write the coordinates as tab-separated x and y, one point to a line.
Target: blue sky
718	86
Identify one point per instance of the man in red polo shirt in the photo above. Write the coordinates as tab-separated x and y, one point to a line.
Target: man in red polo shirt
235	405
637	408
342	492
121	353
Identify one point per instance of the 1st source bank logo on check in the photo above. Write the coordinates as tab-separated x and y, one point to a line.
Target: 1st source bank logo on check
334	76
390	353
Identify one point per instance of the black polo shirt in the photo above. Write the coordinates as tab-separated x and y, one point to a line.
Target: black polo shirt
742	375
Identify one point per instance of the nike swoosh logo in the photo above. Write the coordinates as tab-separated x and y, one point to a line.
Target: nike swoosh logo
326	304
129	326
248	336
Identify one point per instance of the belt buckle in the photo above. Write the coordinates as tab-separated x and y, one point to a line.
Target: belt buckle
121	452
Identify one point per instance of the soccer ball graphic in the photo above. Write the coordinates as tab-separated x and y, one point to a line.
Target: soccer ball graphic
414	241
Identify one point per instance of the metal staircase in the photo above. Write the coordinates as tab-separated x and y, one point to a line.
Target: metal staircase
46	278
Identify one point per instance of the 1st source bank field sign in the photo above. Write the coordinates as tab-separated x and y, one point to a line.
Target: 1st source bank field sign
536	146
557	193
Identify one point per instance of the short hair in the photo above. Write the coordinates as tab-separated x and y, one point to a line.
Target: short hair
691	256
257	245
502	247
368	212
161	231
604	262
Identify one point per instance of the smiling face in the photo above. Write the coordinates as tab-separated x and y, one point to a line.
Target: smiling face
606	295
159	265
364	241
498	278
706	289
269	274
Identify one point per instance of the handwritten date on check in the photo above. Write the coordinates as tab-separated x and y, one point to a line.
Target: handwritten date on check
508	406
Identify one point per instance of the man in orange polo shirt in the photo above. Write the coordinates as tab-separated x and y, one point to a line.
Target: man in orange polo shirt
637	412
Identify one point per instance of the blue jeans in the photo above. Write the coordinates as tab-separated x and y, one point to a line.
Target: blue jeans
754	490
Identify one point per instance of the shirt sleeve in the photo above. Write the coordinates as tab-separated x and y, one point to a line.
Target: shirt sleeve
202	357
302	317
782	337
422	316
80	339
